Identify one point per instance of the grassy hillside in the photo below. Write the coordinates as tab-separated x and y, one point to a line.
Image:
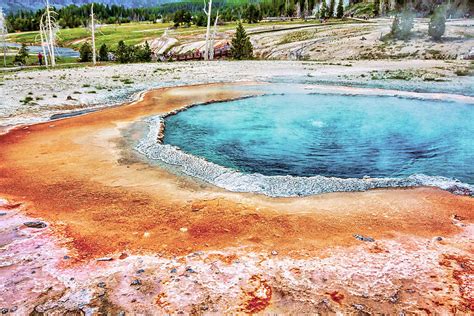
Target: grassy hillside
131	33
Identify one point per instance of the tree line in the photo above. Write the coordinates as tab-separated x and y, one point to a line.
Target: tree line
190	12
74	16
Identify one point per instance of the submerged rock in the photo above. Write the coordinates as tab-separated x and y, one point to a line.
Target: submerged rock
35	224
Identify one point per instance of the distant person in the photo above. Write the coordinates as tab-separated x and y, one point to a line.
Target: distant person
40	59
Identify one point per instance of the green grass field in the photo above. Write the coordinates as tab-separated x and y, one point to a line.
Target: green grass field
134	33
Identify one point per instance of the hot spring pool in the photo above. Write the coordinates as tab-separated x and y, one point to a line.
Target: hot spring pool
299	144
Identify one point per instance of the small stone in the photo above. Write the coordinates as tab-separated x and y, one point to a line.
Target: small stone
3	213
173	270
439	238
274	252
140	271
358	307
4	310
183	229
66	257
35	224
105	259
363	238
394	298
13	309
101	284
123	255
190	270
136	282
121	313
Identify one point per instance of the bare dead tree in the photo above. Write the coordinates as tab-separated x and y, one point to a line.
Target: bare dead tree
52	30
44	43
213	37
3	34
208	30
94	57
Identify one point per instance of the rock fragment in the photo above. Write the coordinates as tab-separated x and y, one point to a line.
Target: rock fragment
364	238
105	259
35	224
136	282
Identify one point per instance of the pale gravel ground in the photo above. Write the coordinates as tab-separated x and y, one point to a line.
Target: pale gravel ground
93	87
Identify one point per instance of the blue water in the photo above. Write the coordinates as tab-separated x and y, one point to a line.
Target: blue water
331	135
60	51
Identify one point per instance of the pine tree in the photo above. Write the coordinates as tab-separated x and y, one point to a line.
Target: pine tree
332	6
241	45
22	56
376	7
323	12
103	53
143	53
85	53
340	9
122	54
437	25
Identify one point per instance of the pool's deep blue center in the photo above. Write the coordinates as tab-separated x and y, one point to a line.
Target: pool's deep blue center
331	135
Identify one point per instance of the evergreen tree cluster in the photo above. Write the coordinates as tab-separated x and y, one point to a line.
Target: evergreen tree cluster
74	16
130	54
123	54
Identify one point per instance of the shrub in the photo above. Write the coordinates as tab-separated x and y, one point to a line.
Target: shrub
437	25
122	54
85	53
22	56
143	53
103	53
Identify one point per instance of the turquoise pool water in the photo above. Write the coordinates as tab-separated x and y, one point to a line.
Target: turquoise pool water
331	135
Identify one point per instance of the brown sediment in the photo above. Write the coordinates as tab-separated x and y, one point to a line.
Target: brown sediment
77	174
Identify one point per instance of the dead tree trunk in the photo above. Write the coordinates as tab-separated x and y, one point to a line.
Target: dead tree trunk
94	57
3	31
51	34
43	41
214	32
208	30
